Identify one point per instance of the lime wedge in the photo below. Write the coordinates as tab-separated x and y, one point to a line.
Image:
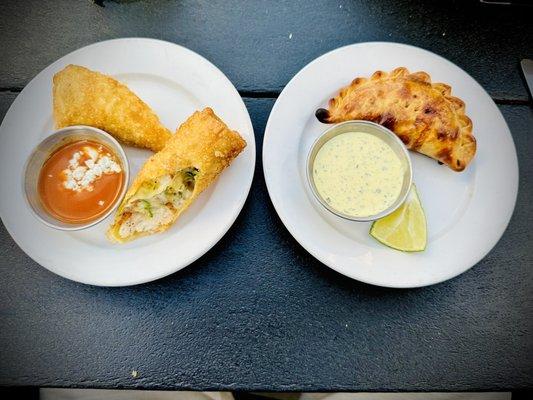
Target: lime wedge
404	229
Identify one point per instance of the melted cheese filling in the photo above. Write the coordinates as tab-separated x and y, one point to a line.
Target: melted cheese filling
156	202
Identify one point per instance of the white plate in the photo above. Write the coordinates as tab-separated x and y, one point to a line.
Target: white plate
467	212
175	82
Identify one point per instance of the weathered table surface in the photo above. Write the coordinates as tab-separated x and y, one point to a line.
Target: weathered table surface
257	311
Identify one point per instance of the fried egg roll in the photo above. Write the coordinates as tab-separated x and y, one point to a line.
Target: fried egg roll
85	97
173	178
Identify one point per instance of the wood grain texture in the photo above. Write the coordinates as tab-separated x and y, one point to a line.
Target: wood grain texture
261	45
257	312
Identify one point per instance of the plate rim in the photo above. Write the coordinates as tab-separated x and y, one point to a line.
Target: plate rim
241	201
311	250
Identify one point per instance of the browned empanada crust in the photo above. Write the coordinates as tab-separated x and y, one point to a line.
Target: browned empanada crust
424	115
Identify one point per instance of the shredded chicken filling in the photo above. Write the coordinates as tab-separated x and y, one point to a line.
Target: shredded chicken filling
156	202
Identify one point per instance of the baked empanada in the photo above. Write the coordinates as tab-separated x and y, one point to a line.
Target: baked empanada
173	178
422	114
85	97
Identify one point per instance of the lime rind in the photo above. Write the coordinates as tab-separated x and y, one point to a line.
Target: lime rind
392	232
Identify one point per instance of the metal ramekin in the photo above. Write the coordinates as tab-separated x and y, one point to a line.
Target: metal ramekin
374	129
43	151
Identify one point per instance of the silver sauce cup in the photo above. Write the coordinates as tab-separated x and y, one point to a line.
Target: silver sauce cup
373	129
45	149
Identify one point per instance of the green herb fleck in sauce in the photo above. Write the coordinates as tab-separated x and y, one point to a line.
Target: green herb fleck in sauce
358	174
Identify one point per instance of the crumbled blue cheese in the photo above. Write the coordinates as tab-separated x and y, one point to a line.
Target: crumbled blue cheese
81	176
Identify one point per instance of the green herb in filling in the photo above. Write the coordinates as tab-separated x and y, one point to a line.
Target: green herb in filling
147	207
190	174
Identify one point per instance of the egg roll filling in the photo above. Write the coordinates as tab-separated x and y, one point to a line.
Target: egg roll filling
156	201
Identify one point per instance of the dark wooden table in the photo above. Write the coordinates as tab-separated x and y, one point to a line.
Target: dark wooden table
257	311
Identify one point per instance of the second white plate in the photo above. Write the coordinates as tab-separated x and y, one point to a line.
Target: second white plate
467	212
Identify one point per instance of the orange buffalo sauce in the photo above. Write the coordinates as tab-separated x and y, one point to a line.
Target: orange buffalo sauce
80	181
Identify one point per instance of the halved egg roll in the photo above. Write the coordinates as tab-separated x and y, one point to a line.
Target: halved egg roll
173	178
85	97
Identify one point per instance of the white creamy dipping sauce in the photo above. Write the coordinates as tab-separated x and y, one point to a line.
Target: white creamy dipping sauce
358	174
